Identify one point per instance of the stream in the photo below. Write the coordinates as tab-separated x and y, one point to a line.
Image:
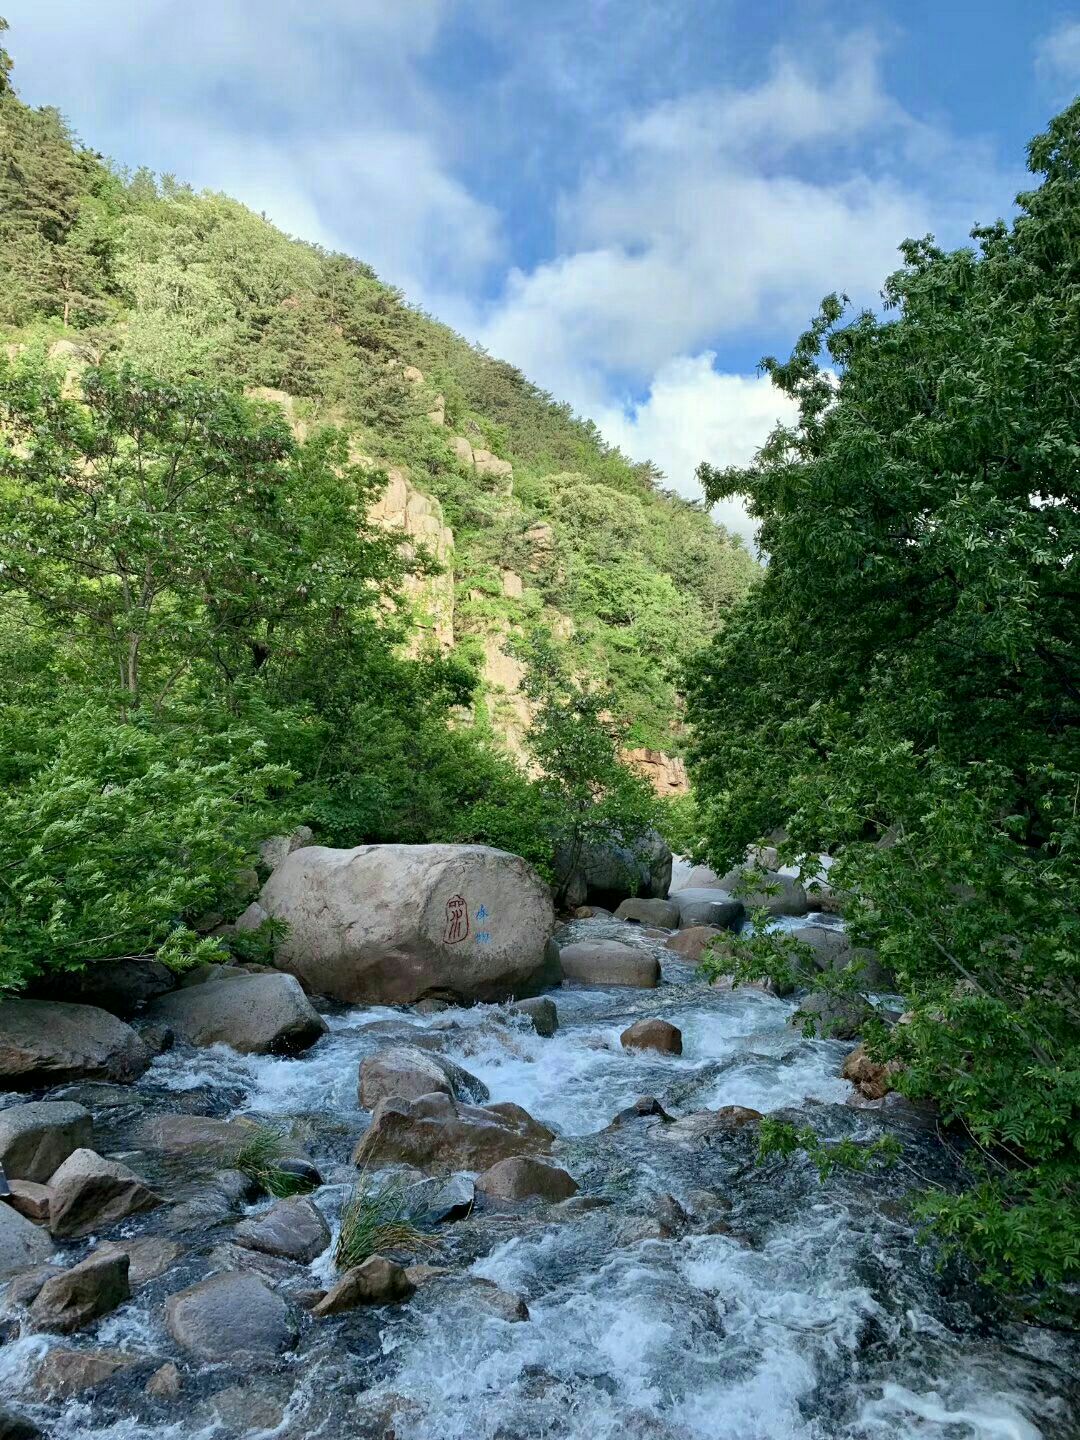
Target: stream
763	1305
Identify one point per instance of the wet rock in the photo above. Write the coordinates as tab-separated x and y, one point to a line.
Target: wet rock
431	1007
294	1229
604	874
304	1173
703	1125
634	1229
245	1411
437	1131
394	923
195	1135
872	1080
64	1373
407	1072
833	1017
277	849
523	1177
230	1317
692	942
707	907
274	1269
87	1291
770	890
502	1304
24	1288
437	1202
22	1244
649	912
218	1200
422	1274
653	1034
14	1426
43	1042
148	1257
166	1383
541	1011
90	1193
120	986
608	962
833	950
255	1014
645	1107
37	1138
377	1281
31	1200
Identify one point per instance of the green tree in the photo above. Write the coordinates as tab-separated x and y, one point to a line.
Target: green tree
903	689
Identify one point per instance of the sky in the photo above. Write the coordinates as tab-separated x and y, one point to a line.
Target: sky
631	200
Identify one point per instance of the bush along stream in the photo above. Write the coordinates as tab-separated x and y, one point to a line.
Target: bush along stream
573	1235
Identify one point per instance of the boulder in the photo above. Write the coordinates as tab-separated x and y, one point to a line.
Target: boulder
294	1229
376	1282
693	877
608	962
772	890
692	942
36	1139
408	1072
165	1384
435	1131
834	1017
64	1373
43	1042
653	1035
23	1289
22	1244
606	874
871	1079
703	1125
645	1107
230	1317
120	986
523	1177
147	1257
217	1140
649	912
541	1011
255	1014
30	1199
833	950
278	848
707	907
87	1291
12	1425
393	924
437	1202
90	1193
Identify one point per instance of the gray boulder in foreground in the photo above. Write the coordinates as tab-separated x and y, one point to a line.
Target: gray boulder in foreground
255	1014
408	1072
608	962
392	924
36	1139
90	1192
45	1042
231	1316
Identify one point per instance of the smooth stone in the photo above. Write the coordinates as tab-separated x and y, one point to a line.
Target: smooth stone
263	1014
64	1373
652	1034
230	1317
662	913
833	1017
44	1042
435	1130
36	1139
608	962
165	1384
22	1244
692	942
707	907
90	1193
294	1229
541	1011
407	1073
523	1177
87	1291
377	1281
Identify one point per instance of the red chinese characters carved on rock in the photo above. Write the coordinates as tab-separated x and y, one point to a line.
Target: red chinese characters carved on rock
457	920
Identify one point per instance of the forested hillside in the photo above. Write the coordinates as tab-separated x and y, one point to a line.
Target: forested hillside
276	547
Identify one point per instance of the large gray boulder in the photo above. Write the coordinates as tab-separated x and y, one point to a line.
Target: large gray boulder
524	1177
771	890
697	906
255	1014
22	1243
44	1042
649	912
436	1132
90	1192
608	962
606	874
233	1316
408	1072
36	1139
833	1017
833	950
392	924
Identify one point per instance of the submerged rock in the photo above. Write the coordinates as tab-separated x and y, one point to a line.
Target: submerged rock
35	1139
408	1072
90	1192
437	1131
608	962
255	1014
68	1301
64	1373
44	1042
230	1317
523	1177
377	1281
653	1034
395	923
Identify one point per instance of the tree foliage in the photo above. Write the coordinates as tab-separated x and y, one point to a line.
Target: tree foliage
903	689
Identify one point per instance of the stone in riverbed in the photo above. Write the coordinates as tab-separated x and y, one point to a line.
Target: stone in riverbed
541	1011
164	1384
707	907
652	1034
43	1043
608	962
834	1017
17	1427
777	893
233	1317
872	1080
255	1014
90	1193
22	1244
437	1202
148	1257
377	1281
408	1072
120	986
393	924
30	1199
87	1291
523	1177
645	1107
437	1131
704	1124
691	942
649	912
217	1140
36	1139
64	1373
294	1229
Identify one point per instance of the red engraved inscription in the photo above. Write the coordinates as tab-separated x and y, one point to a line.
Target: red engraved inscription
457	920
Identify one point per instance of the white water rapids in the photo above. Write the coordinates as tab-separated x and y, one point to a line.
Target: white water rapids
818	1317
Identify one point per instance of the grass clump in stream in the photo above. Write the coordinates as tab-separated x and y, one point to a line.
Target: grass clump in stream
259	1158
376	1220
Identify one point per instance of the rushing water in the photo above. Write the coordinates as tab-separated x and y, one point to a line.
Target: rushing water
775	1308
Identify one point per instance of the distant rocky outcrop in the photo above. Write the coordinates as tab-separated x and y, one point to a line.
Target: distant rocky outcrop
665	773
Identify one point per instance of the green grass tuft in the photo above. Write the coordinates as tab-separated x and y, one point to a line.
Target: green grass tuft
375	1221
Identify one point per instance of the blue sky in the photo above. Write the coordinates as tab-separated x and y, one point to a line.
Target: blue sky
633	200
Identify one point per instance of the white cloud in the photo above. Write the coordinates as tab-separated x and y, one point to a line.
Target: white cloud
694	413
1057	56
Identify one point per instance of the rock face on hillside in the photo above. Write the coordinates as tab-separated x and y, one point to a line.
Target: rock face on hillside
419	520
392	924
665	773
